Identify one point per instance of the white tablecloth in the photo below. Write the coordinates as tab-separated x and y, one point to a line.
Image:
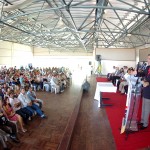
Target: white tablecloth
103	87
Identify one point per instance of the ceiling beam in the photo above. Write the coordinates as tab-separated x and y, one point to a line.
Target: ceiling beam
112	8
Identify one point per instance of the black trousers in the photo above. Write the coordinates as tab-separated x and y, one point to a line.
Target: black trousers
109	76
126	89
118	85
5	127
114	79
24	113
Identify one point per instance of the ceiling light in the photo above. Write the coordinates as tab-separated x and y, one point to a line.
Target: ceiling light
60	22
105	11
128	34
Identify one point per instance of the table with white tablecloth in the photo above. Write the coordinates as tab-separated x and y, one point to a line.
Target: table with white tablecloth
103	87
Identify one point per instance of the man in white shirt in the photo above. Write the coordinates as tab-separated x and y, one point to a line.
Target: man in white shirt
26	102
124	82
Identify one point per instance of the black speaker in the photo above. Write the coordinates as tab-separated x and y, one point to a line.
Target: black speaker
98	57
90	63
86	86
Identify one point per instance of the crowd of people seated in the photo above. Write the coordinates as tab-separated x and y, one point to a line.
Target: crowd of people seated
118	78
18	100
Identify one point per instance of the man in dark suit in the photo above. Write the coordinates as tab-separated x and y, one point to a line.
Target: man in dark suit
146	97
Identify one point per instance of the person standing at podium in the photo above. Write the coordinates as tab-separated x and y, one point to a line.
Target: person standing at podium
146	97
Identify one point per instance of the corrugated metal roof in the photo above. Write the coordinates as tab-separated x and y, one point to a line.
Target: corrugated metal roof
75	24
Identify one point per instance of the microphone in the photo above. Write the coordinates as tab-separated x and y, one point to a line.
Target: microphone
137	75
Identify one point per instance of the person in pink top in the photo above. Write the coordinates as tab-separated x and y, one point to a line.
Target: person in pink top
11	115
17	107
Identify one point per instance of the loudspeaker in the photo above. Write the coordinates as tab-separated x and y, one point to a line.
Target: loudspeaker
86	86
90	63
98	57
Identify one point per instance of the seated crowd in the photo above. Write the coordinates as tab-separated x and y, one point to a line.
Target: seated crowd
118	78
18	106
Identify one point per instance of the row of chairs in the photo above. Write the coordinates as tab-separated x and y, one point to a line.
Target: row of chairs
46	87
51	88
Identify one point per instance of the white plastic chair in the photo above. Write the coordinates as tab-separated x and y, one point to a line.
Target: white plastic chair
53	89
46	87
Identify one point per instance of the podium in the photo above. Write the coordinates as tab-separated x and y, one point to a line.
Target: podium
103	87
129	122
133	111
